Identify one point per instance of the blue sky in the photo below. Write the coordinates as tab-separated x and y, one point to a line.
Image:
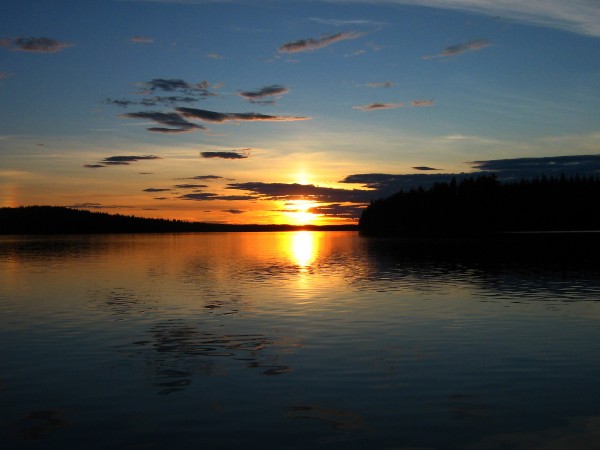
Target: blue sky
263	111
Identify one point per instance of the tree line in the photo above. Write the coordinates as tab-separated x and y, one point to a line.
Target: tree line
483	205
63	220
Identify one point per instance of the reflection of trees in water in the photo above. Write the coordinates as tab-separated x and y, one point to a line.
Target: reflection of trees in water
178	350
121	301
537	270
218	291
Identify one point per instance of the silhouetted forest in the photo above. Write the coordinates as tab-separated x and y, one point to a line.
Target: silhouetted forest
483	206
61	220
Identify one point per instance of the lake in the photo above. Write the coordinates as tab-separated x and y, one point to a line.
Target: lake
299	340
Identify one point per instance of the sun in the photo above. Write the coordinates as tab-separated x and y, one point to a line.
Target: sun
299	212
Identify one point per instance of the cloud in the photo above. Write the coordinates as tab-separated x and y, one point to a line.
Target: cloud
125	160
156	190
338	210
92	205
234	211
202	177
93	166
376	106
384	84
183	92
356	53
213	116
305	45
457	49
190	186
209	196
578	16
343	22
214	56
267	91
34	45
177	123
200	90
385	184
506	170
224	155
425	168
120	102
295	191
421	103
152	101
141	40
550	166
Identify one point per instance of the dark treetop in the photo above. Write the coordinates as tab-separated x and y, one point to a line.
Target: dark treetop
484	206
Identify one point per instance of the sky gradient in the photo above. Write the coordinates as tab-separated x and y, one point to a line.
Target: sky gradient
288	112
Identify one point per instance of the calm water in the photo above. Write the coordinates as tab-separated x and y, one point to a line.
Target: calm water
301	340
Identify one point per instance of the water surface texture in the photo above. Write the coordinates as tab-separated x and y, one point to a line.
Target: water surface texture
321	340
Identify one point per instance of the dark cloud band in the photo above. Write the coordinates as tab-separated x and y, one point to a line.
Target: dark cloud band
217	117
267	91
224	155
173	120
34	45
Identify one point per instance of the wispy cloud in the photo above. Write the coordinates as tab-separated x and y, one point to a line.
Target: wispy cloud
386	184
173	120
383	84
209	196
274	90
170	100
125	160
190	186
214	56
141	40
202	177
200	89
213	116
156	190
242	154
338	210
93	205
34	44
376	106
421	103
457	49
295	191
578	16
346	22
519	167
305	45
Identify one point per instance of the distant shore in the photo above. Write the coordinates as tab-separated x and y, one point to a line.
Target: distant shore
62	220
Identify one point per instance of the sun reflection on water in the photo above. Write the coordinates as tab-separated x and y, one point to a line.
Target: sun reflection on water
303	248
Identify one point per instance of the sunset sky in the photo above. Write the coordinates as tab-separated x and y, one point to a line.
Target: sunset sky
280	111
